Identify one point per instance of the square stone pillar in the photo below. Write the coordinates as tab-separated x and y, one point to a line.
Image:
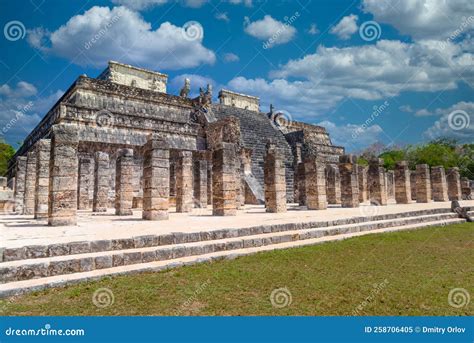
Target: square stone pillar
43	155
362	174
390	177
274	180
439	185
209	182
200	183
423	183
333	184
3	183
413	184
376	182
466	189
301	184
62	206
30	182
224	195
124	183
101	182
454	184
85	183
315	175
156	179
184	182
20	184
349	181
402	183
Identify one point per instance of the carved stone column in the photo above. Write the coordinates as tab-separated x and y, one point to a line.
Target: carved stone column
223	180
315	176
376	182
30	182
413	184
20	184
466	189
390	177
439	185
363	196
43	152
402	183
124	183
301	176
333	184
101	182
274	180
200	183
454	184
184	182
423	183
62	208
156	179
349	181
85	183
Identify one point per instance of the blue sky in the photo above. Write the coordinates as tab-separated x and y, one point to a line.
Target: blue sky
395	72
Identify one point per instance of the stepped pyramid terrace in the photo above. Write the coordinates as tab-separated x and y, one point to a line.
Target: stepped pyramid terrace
120	176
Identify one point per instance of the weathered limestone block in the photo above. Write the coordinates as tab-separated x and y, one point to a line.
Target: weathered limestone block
423	183
301	184
30	182
123	183
62	206
101	182
376	182
156	177
439	185
200	183
43	152
363	187
223	180
333	184
184	182
454	184
402	183
85	183
315	175
413	184
466	189
390	177
349	181
20	184
274	180
3	183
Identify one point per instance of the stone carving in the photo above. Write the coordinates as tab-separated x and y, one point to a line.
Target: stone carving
184	92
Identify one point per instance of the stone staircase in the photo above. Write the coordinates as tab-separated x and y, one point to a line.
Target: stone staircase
35	267
256	129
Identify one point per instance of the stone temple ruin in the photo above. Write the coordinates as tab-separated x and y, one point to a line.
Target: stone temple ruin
189	180
120	141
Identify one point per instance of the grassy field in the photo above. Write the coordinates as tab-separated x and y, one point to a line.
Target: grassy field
401	273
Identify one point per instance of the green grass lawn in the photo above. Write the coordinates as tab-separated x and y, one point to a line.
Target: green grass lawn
401	273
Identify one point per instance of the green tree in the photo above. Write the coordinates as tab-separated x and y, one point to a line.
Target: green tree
391	157
6	152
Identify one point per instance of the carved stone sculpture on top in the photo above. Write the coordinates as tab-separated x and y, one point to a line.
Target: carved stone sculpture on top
184	92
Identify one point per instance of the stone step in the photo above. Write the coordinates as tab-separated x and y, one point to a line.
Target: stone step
68	264
19	287
81	247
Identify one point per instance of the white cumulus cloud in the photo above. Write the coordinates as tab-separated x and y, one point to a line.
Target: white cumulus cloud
102	34
346	27
268	29
456	121
424	19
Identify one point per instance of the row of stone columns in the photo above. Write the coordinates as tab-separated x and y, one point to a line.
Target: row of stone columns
49	181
